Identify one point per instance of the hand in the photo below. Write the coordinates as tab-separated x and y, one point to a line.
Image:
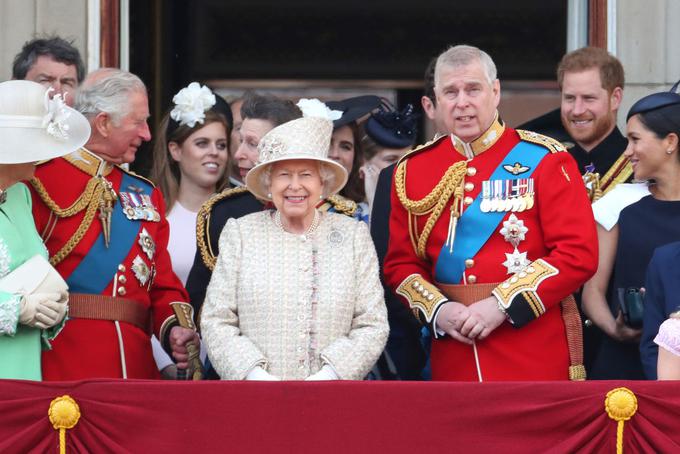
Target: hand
485	316
624	333
42	310
257	373
451	318
179	338
325	373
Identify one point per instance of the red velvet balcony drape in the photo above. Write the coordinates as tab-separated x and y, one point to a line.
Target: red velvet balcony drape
329	417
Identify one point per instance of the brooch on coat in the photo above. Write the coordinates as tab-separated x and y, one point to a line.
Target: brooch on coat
514	231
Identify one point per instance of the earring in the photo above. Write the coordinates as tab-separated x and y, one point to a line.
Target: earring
269	195
669	151
321	197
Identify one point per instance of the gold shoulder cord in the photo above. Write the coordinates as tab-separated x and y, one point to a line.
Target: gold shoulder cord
203	226
451	184
89	200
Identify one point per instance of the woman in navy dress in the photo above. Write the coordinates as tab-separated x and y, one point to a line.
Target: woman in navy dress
653	130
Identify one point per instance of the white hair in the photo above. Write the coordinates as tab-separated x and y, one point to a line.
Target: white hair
108	90
462	55
325	173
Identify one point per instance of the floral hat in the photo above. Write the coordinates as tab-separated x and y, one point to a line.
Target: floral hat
308	137
190	105
34	127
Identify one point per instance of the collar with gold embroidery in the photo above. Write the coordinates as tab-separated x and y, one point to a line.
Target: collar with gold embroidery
483	142
89	162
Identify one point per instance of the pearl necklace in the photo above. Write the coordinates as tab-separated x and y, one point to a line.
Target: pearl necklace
307	233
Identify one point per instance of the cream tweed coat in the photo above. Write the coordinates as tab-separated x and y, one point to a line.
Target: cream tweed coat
292	303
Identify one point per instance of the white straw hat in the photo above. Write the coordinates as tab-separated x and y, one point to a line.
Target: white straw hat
308	137
34	127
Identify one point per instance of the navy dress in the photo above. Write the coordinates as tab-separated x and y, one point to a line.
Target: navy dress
662	299
643	226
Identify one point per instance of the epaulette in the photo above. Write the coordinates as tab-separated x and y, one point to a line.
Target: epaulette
340	204
136	175
548	142
203	225
420	148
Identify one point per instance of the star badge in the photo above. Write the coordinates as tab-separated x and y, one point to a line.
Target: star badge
514	230
141	270
147	243
516	262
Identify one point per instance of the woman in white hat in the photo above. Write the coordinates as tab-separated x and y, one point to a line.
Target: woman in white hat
295	294
33	298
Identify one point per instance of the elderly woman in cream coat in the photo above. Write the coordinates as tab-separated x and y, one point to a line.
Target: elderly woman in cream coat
295	294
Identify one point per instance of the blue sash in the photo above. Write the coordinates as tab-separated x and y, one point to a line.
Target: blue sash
95	271
476	227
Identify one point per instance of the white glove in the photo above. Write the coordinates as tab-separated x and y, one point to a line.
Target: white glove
326	373
42	310
259	374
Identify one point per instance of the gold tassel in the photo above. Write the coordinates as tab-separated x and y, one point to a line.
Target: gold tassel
64	413
620	405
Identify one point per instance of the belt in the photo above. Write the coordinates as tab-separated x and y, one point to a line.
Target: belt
102	307
468	294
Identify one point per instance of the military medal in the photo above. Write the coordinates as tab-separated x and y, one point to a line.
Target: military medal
507	205
141	270
147	243
485	205
496	200
139	207
530	193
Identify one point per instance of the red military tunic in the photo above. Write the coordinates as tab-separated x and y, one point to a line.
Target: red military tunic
560	245
89	348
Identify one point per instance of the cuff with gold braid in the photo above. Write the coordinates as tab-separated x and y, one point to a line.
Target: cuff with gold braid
423	298
518	296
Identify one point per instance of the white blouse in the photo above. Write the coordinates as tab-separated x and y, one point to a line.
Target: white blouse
292	303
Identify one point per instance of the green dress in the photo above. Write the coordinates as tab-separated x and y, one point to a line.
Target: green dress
20	345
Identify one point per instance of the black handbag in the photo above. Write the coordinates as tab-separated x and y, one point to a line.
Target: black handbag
631	302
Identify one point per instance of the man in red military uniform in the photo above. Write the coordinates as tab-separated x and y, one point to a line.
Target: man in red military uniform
490	230
106	233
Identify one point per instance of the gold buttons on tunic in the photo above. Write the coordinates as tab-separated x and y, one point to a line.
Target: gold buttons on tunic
469	263
121	268
469	186
471	171
122	279
472	279
468	200
122	291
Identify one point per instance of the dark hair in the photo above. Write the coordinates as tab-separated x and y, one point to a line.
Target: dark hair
354	188
165	170
55	47
268	107
428	81
611	70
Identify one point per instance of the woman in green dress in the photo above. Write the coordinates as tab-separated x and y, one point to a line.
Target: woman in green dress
33	127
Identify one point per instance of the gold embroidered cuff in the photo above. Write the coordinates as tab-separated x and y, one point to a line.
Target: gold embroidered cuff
517	295
422	296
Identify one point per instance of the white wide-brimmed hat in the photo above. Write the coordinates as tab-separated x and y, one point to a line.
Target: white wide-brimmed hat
308	137
34	127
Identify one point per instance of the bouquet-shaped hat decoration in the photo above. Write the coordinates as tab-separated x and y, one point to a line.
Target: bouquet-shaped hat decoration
56	116
191	103
307	138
